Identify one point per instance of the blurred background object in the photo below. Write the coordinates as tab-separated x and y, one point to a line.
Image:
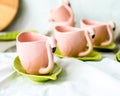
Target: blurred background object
34	14
8	11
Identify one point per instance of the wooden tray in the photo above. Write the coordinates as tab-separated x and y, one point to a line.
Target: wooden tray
8	11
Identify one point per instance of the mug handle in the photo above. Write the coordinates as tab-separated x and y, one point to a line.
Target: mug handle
90	45
50	60
108	42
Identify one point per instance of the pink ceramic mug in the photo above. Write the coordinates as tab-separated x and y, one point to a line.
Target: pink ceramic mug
72	41
62	15
103	31
35	52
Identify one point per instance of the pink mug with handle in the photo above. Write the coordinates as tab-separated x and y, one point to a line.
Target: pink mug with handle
35	52
103	31
72	41
63	14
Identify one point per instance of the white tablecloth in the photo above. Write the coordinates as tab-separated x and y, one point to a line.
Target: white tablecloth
78	78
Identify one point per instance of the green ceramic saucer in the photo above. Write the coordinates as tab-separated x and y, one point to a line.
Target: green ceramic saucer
93	56
37	78
9	36
110	47
118	56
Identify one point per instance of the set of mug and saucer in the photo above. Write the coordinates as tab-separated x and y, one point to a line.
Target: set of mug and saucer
36	52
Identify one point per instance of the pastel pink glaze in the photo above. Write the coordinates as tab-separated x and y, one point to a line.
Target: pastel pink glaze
72	41
35	53
102	31
67	2
62	15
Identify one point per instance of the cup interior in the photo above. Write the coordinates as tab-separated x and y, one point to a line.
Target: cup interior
30	37
63	29
61	14
88	22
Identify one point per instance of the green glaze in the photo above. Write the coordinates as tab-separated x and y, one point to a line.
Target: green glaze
93	56
118	56
37	78
9	36
110	47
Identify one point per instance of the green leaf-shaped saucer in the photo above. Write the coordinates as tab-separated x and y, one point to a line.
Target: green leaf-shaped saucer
37	78
93	56
9	36
102	48
118	56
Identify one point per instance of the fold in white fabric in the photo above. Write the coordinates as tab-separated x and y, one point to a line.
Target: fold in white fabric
78	78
